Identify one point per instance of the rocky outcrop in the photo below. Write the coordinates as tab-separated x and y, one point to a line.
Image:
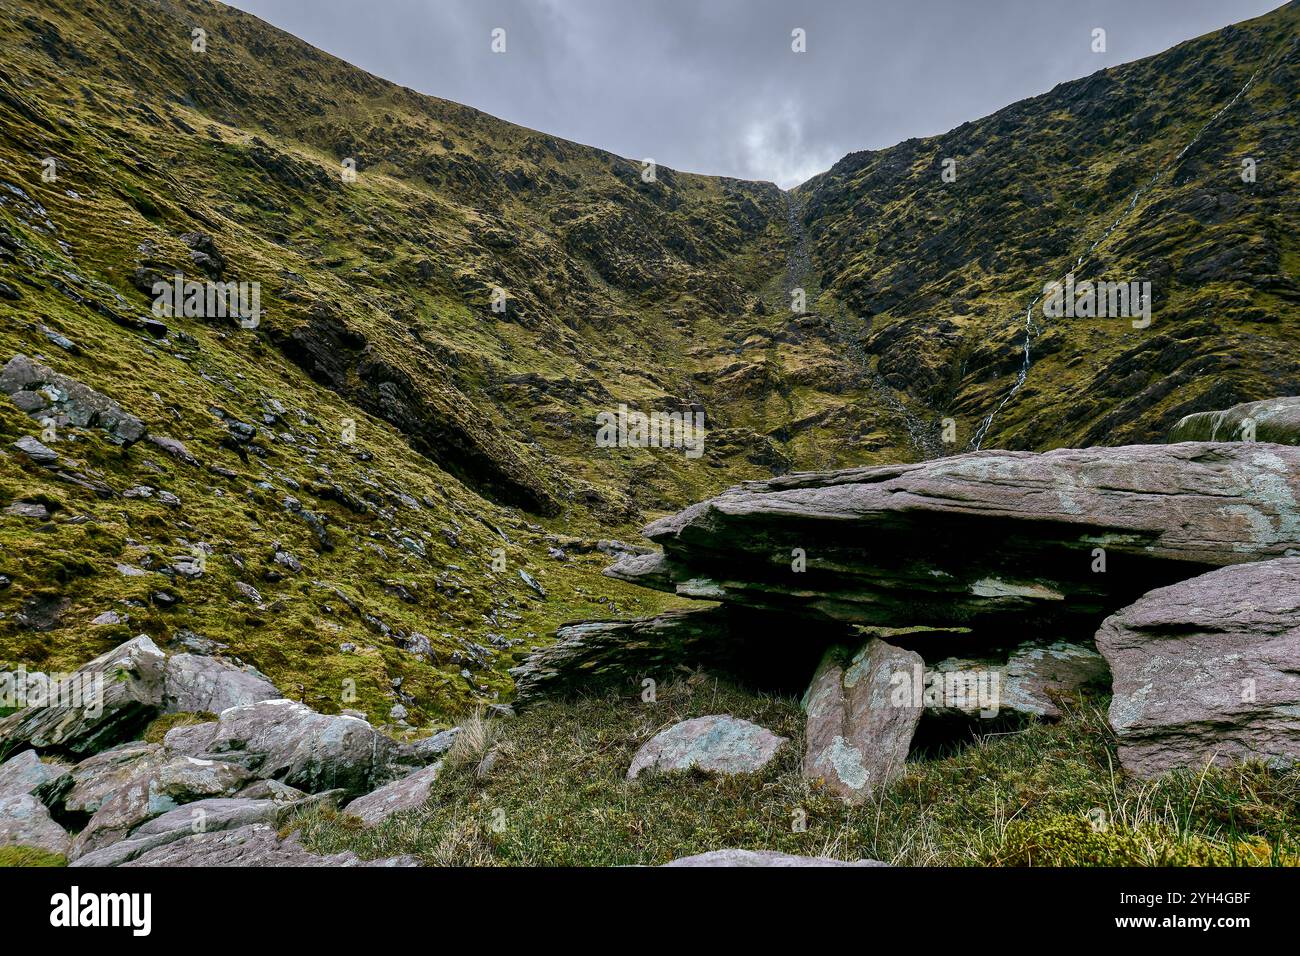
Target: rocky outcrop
44	393
1059	538
763	858
1271	420
290	742
154	792
202	816
104	702
1208	670
717	743
862	714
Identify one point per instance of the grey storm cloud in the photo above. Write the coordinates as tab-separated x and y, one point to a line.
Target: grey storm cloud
713	86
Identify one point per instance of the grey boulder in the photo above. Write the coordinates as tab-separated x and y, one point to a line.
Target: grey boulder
105	701
287	741
1208	670
27	773
25	821
717	743
407	793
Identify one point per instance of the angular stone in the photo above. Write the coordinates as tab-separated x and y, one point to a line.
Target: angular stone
202	816
1208	670
997	537
749	858
154	792
108	699
288	741
194	684
97	778
717	743
862	713
1271	420
407	793
25	821
27	773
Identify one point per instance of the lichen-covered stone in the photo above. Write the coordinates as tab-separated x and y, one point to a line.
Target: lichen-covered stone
1208	670
862	713
717	743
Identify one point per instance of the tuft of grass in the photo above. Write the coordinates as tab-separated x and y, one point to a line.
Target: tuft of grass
158	728
557	796
29	856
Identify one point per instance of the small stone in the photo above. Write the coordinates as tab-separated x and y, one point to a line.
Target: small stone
38	453
107	618
28	509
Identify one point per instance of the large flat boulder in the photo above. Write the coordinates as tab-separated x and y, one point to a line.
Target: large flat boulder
862	714
287	741
407	793
106	701
1271	420
1208	670
717	743
996	537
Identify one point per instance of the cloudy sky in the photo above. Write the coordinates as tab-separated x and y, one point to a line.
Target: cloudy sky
713	86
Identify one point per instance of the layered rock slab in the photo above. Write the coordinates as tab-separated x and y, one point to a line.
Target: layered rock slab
999	537
1208	670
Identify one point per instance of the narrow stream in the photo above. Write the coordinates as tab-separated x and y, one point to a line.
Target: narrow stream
1030	331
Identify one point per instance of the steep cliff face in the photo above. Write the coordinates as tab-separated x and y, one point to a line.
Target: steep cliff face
393	474
1179	170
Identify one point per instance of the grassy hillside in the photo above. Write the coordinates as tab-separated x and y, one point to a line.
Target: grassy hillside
419	454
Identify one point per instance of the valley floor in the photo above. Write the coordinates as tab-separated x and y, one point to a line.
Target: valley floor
552	792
